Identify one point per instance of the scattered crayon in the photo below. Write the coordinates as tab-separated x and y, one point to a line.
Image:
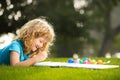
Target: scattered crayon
70	60
86	60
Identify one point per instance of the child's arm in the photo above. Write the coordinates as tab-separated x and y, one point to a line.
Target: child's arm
15	61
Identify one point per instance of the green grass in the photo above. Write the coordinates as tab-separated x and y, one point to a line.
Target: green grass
62	73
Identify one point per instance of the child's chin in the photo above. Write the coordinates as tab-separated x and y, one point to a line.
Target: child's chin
34	50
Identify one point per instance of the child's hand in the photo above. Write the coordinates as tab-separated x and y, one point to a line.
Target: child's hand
41	56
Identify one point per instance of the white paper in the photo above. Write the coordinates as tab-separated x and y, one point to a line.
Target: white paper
76	65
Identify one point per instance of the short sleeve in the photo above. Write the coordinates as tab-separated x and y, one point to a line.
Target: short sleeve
14	47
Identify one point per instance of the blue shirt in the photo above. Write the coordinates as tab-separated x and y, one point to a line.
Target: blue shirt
14	46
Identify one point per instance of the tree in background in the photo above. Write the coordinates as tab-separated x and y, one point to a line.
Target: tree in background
73	24
99	19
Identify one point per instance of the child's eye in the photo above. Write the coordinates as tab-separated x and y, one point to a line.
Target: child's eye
41	41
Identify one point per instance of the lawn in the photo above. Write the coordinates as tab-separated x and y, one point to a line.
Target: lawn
61	73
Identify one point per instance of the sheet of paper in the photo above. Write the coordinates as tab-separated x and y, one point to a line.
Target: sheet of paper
76	65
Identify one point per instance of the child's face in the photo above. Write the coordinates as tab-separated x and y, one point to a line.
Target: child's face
38	43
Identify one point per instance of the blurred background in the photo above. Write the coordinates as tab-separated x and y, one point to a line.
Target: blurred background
83	27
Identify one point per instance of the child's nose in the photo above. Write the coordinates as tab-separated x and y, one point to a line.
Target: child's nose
40	45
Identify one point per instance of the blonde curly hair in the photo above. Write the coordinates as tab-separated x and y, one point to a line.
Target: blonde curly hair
34	29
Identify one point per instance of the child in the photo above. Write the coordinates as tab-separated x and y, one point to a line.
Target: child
30	45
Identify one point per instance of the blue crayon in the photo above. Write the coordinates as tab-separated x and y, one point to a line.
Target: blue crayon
70	60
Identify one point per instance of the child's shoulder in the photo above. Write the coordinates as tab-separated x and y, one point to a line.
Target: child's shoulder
16	42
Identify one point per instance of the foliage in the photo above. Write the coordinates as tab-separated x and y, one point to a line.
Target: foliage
99	20
73	27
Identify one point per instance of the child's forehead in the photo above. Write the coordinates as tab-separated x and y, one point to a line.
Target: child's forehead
46	37
42	39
